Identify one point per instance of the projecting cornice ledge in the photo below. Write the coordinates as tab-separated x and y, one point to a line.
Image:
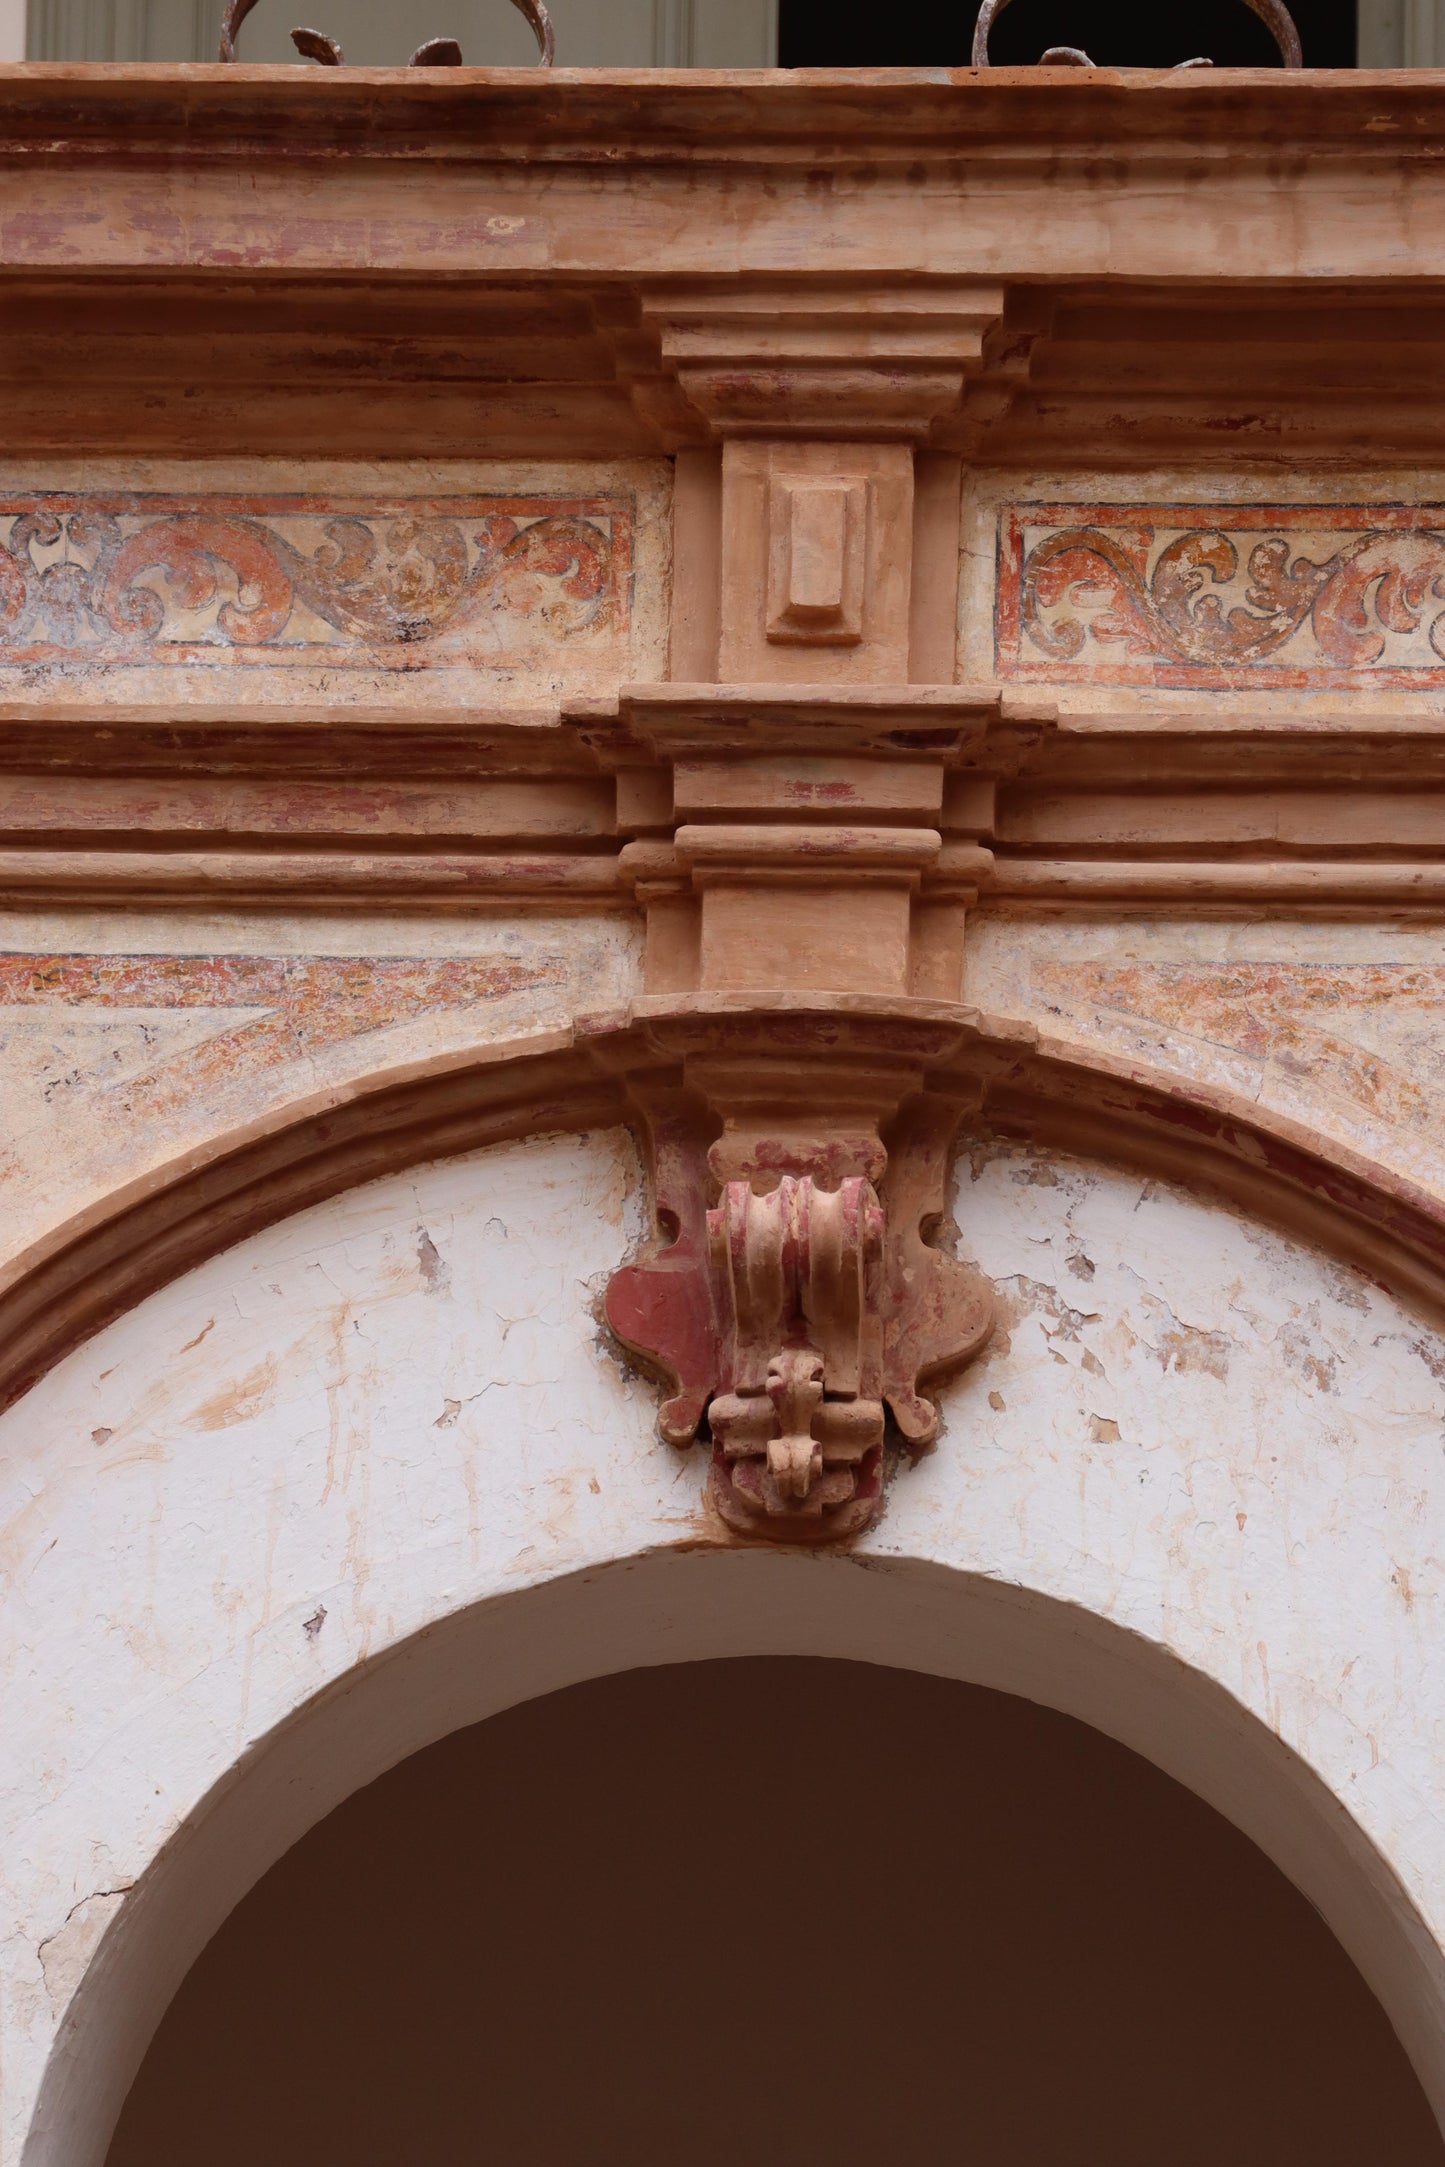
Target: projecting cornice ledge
599	807
912	361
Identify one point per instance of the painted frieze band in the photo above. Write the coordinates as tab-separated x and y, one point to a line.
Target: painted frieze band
1222	596
376	583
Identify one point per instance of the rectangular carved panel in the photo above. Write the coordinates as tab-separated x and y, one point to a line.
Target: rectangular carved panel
817	535
817	543
1223	596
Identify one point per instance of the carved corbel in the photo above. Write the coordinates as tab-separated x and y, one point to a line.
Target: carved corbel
827	360
794	1302
932	361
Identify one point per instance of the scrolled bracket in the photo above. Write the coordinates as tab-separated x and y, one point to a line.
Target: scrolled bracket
792	1304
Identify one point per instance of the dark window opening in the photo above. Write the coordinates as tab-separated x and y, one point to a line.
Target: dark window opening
938	33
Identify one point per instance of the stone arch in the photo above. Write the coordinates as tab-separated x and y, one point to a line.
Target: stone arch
103	1259
273	1727
692	1606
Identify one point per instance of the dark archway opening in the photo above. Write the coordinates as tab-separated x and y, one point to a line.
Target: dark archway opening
774	1910
1136	33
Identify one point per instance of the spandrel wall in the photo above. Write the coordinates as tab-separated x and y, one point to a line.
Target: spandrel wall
388	1410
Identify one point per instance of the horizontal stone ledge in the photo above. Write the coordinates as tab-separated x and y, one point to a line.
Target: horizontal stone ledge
1349	883
489	815
1393	822
840	850
665	116
315	877
63	736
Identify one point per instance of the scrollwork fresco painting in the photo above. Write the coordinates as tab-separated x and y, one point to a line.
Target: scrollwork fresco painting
1208	596
227	581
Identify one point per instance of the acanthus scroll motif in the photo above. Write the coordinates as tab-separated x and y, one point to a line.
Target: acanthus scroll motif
1188	609
104	577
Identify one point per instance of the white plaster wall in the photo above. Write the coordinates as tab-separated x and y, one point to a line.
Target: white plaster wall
392	1411
1229	1443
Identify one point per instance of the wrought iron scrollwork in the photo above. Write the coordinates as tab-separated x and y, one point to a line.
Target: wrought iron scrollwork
434	53
1272	13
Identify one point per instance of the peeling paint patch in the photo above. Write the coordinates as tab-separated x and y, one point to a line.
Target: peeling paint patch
435	1272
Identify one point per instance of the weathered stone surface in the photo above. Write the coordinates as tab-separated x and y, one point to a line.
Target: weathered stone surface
797	614
1339	1027
128	1040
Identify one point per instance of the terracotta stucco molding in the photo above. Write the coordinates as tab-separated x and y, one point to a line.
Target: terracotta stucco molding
585	812
1186	369
699	115
807	356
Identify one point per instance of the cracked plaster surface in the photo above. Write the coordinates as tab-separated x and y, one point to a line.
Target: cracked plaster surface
396	1405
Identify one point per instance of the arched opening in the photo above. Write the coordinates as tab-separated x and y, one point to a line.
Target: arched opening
1027	1556
775	1908
504	1652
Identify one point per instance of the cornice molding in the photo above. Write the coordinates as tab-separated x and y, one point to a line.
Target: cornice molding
1053	174
706	116
767	359
580	809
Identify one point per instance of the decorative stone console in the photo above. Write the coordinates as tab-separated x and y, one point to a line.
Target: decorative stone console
809	856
